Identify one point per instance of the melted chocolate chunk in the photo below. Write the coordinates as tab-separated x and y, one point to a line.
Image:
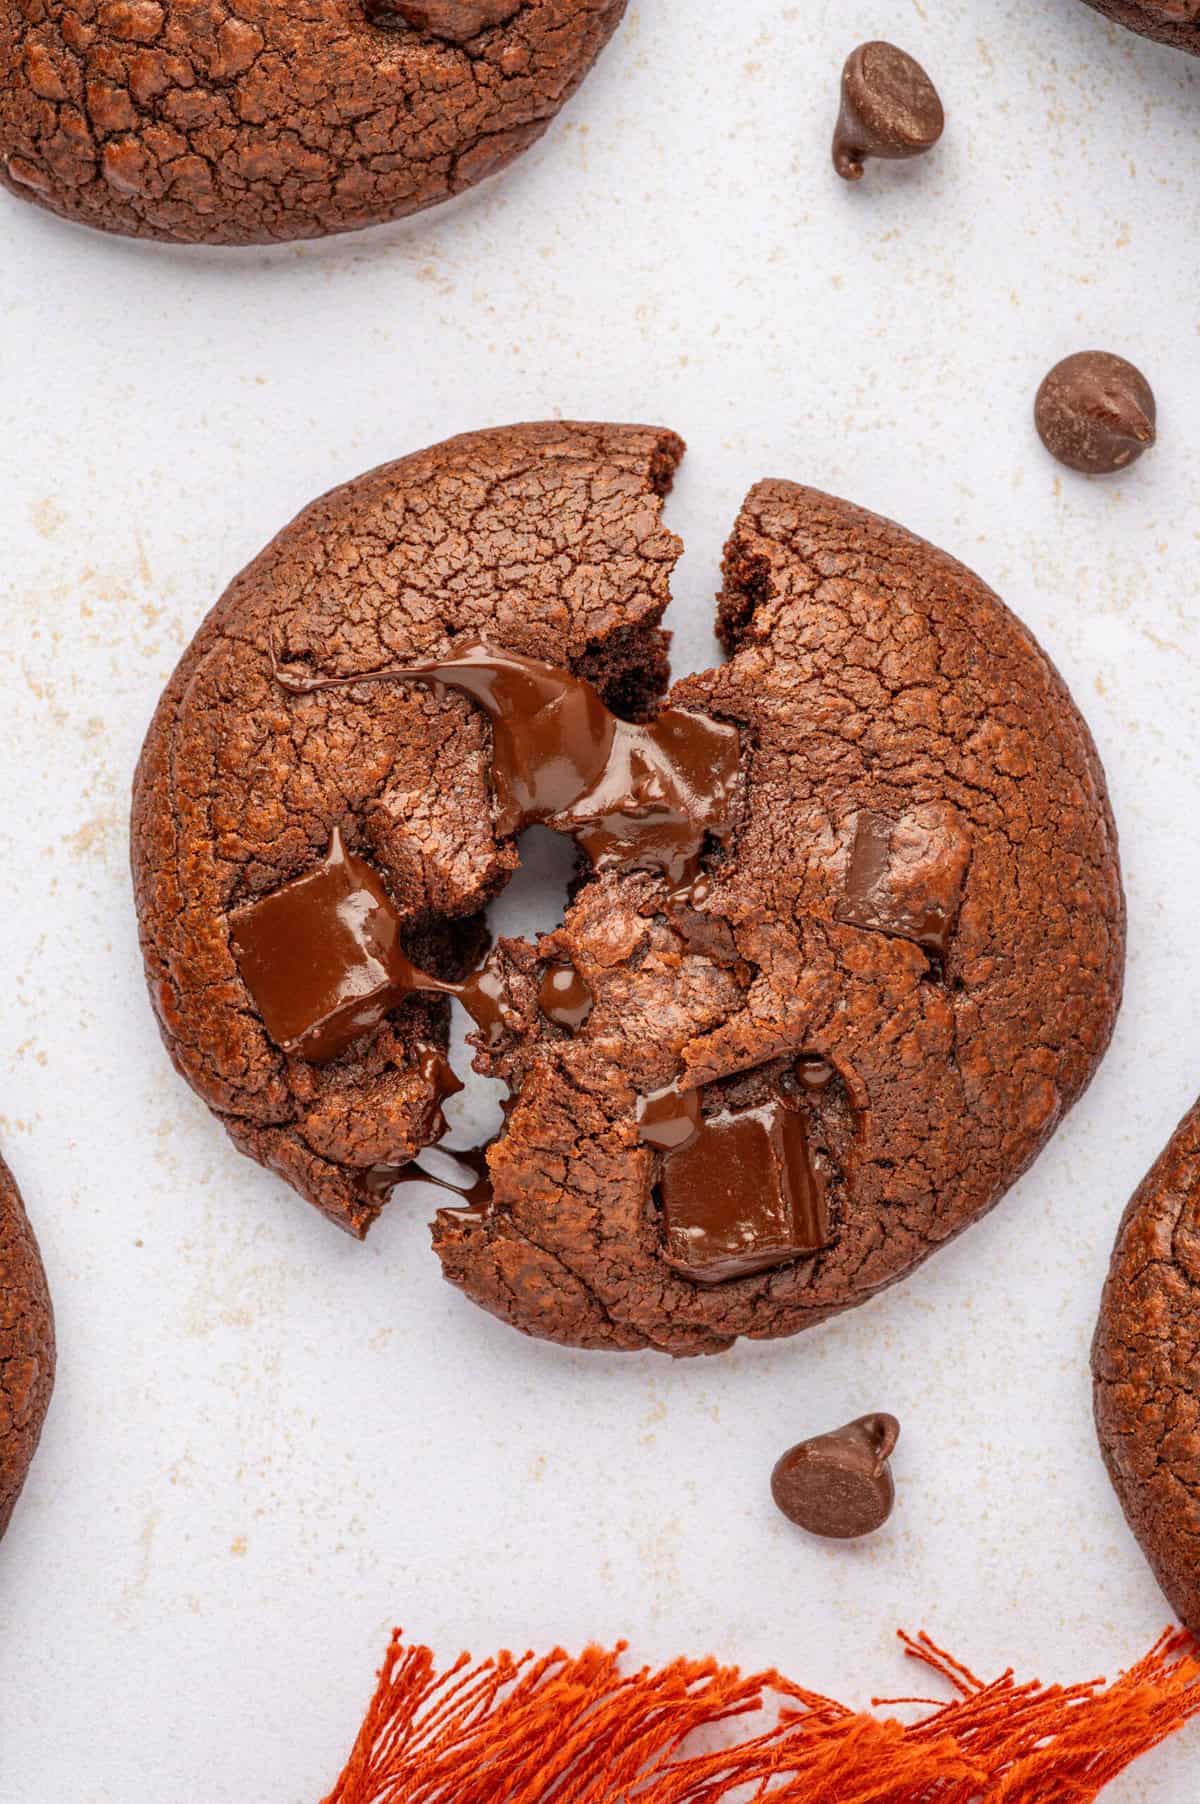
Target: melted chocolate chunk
839	1485
890	109
563	997
322	959
631	796
739	1191
906	877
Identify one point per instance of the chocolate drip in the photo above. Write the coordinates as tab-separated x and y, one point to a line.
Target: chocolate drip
631	796
464	1173
435	1069
738	1189
482	995
563	997
322	959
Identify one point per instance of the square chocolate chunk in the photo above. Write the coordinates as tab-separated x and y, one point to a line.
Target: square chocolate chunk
321	956
742	1195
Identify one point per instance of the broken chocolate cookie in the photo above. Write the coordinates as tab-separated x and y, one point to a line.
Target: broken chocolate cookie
26	1345
204	124
1146	1368
791	1034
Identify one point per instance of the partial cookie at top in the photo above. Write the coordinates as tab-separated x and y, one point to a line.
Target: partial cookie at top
26	1345
209	124
1175	22
898	969
1146	1367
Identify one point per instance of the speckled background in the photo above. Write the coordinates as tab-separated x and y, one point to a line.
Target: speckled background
269	1444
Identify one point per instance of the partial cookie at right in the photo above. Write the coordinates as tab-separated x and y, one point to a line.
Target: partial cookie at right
26	1345
1174	22
1146	1369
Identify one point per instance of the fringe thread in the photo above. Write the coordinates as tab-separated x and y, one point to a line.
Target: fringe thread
557	1730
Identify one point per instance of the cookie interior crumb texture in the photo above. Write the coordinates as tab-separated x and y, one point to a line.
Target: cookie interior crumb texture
162	119
914	932
26	1345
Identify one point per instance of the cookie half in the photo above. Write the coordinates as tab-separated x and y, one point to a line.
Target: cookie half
26	1345
912	932
1146	1367
203	123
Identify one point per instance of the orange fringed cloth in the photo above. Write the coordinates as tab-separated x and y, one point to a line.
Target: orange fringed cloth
558	1730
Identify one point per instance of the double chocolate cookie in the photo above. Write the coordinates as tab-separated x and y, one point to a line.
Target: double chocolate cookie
205	123
1146	1367
26	1345
847	934
1174	22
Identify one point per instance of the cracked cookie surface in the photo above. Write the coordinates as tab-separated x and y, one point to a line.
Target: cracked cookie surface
919	904
1146	1368
26	1345
1175	22
196	121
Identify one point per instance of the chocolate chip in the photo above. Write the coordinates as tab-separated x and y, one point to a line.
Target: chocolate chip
1096	413
839	1485
890	109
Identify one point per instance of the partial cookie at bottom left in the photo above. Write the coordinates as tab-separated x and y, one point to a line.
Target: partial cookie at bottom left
26	1345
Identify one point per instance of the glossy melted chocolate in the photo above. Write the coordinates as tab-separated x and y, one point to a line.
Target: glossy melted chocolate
322	959
738	1190
631	796
463	1173
906	877
563	997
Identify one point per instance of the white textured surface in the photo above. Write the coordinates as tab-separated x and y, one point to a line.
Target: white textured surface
269	1444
